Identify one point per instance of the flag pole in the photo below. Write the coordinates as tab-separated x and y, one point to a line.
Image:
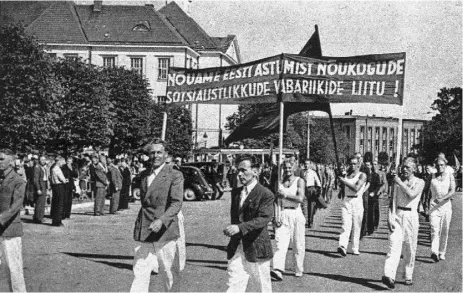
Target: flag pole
278	202
334	136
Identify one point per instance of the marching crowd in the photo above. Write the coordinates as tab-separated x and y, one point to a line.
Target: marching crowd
258	197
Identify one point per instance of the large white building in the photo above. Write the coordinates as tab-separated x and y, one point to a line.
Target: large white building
137	37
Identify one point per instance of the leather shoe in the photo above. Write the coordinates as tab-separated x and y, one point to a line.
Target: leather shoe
434	257
408	282
276	275
388	282
342	250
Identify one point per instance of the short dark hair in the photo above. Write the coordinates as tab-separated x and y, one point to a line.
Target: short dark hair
7	151
250	158
157	140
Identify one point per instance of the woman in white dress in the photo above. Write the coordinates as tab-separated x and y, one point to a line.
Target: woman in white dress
440	212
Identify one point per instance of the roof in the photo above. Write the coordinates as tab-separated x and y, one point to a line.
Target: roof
67	22
196	37
117	23
50	22
223	43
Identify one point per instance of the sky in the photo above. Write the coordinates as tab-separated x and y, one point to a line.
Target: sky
429	32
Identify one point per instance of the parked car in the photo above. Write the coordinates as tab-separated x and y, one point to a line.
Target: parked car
211	176
195	186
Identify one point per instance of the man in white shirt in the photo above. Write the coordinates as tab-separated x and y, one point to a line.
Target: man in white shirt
313	186
403	224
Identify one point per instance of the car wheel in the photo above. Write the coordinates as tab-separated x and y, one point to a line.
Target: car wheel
136	193
189	194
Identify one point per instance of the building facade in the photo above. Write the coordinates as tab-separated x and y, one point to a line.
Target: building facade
137	37
378	134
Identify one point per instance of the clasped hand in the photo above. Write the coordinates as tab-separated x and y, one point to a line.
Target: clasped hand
231	230
156	225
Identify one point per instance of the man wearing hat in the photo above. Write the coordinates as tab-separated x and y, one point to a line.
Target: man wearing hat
12	190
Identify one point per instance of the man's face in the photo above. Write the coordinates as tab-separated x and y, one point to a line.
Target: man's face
42	161
124	164
5	161
428	169
407	169
69	161
287	169
354	165
307	165
359	159
375	164
157	154
440	166
368	165
178	161
245	172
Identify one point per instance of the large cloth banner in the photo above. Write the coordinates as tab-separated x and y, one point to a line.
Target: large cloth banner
293	78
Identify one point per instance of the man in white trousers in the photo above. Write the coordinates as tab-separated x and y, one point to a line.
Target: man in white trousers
403	224
249	251
352	207
12	189
157	228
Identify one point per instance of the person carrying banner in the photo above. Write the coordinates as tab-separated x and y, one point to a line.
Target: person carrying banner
440	212
291	190
403	225
354	183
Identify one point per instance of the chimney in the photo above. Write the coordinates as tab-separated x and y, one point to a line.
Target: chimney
97	5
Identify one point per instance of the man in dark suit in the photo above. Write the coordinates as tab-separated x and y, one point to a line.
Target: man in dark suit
126	182
41	184
100	182
115	185
12	190
70	173
157	227
249	251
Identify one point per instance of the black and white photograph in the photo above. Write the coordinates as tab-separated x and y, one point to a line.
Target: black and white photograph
231	146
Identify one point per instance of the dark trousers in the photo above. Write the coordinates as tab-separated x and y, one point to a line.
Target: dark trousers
373	214
100	193
57	201
114	203
309	204
39	210
364	229
67	203
124	197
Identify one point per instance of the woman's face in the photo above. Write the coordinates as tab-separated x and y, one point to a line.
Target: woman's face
441	166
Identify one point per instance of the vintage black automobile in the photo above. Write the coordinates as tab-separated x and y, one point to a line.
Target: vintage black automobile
212	177
195	186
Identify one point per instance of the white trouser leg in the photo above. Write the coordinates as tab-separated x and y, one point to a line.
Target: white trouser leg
435	219
357	223
259	276
346	226
237	276
446	218
395	249
282	239
299	241
11	255
410	226
146	256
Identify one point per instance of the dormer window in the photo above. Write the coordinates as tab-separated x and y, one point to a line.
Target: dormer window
142	26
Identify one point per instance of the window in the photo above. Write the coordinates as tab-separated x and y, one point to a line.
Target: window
362	139
376	139
109	62
136	63
163	68
412	137
384	139
391	141
71	57
161	99
347	131
405	142
142	26
369	138
418	136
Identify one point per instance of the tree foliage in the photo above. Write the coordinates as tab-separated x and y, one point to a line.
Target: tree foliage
444	132
28	91
61	106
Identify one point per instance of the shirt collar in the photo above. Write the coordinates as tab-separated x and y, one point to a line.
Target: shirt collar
158	169
251	185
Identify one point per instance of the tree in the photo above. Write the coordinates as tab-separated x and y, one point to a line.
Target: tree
444	132
29	91
85	111
130	97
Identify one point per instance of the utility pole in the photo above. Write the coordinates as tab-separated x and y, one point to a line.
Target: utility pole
308	136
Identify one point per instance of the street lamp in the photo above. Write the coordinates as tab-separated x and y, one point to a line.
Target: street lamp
205	139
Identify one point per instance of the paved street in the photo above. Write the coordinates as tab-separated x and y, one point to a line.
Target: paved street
95	254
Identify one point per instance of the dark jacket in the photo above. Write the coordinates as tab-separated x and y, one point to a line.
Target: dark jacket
70	175
98	176
12	190
161	200
256	213
39	183
115	178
